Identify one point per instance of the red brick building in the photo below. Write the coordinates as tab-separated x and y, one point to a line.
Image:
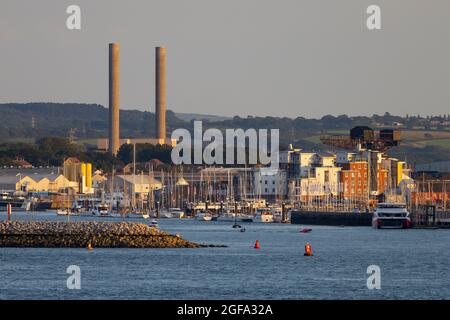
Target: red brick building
354	180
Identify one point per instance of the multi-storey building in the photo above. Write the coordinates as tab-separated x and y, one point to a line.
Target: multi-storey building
355	180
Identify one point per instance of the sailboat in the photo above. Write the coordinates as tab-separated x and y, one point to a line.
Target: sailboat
65	211
203	216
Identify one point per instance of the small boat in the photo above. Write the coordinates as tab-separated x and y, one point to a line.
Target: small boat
146	215
227	217
203	216
305	230
63	212
207	217
154	223
176	213
265	216
165	214
101	210
245	217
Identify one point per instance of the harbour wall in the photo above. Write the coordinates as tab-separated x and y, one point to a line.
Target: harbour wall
49	234
331	218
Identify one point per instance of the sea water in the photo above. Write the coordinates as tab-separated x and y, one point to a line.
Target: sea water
414	264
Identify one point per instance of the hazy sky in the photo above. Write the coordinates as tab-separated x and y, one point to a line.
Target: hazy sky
233	57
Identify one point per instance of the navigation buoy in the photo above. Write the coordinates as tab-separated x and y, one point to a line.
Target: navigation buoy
257	245
308	250
9	209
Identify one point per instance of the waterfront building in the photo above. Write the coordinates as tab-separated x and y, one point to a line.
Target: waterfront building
356	180
139	184
98	180
269	183
80	173
48	179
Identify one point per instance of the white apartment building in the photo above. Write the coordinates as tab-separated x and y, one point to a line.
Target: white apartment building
269	182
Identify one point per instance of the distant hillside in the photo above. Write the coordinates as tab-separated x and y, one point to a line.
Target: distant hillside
84	120
195	116
425	139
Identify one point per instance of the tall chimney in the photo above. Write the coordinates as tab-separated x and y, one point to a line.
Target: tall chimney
160	95
114	57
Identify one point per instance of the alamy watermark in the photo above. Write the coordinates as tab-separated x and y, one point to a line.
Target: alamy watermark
73	21
373	21
374	279
74	280
250	146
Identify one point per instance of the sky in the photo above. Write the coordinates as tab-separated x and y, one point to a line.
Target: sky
233	57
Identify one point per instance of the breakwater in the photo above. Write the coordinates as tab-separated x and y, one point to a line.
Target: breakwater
49	234
331	218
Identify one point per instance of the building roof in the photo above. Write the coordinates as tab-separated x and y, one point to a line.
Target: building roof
71	160
20	162
182	182
140	179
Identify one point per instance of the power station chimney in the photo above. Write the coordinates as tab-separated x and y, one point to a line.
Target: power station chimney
114	57
160	95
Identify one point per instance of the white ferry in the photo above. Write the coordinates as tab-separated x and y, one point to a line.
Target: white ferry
264	216
391	216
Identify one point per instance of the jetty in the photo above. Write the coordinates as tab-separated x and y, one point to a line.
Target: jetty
81	234
331	218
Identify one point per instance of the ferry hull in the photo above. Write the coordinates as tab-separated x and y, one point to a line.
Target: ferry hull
379	223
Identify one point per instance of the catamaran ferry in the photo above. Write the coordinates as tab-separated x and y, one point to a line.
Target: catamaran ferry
391	216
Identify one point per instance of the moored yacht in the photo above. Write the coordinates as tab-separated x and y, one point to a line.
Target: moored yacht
203	216
227	217
245	217
153	223
391	216
63	212
101	210
176	212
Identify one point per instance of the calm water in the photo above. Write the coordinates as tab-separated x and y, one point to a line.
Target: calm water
415	264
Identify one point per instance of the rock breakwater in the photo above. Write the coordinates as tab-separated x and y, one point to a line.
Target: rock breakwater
50	234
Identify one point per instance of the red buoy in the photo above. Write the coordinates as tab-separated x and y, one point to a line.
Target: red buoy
9	209
308	250
257	245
